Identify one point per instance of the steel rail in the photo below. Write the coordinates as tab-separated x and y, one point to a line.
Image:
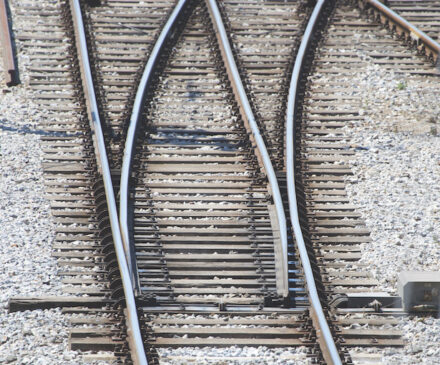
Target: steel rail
325	338
8	54
411	30
131	136
247	113
133	329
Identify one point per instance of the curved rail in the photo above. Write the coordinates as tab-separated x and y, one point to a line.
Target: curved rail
328	347
432	48
247	114
133	330
131	135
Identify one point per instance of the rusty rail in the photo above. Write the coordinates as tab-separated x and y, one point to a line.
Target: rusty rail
8	53
409	32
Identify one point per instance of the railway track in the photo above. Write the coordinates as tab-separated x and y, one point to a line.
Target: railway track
424	17
205	243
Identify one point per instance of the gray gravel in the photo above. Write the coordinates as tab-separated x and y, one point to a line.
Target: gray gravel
233	355
27	268
30	337
395	185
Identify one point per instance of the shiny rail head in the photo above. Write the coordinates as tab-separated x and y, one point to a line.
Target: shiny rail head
403	29
133	330
166	33
255	136
326	342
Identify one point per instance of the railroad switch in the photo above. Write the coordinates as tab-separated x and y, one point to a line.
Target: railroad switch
373	300
420	290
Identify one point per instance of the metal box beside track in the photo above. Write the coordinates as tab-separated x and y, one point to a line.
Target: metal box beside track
420	291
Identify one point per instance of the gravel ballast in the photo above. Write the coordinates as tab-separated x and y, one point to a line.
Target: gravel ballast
395	184
27	233
40	336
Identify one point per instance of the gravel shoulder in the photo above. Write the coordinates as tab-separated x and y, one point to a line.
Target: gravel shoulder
40	336
395	185
27	267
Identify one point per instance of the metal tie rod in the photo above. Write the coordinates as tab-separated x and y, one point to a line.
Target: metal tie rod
328	347
238	87
134	333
